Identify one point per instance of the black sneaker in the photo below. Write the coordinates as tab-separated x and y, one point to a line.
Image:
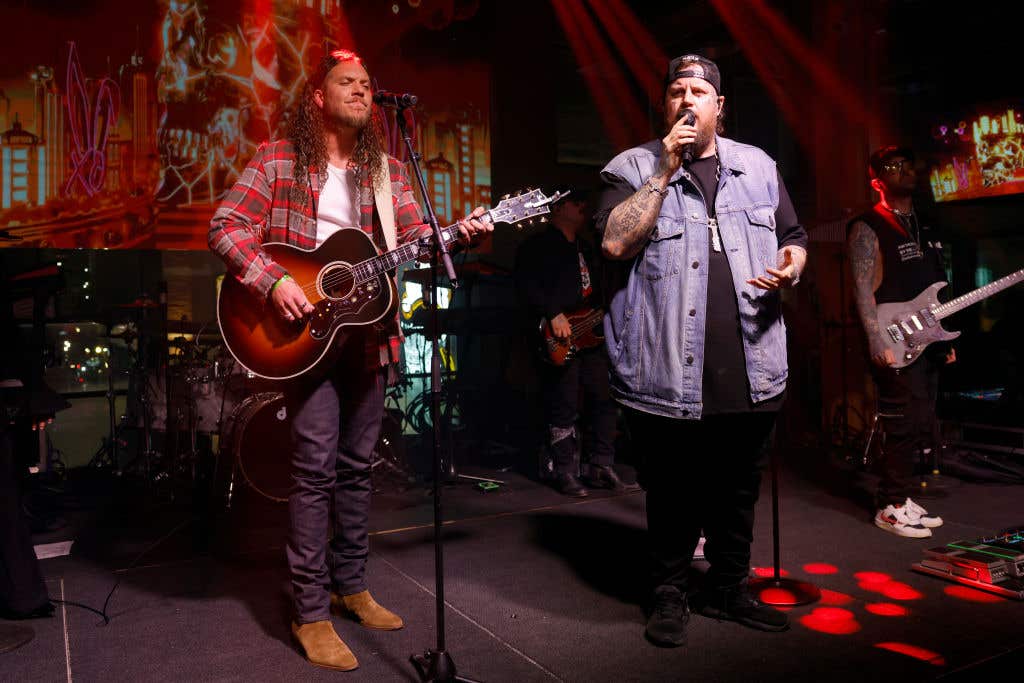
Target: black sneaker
666	627
737	604
568	484
605	477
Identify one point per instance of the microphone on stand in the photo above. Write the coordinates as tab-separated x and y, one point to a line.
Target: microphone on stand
689	118
401	100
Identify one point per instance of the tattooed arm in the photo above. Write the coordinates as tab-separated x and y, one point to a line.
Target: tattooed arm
866	268
631	222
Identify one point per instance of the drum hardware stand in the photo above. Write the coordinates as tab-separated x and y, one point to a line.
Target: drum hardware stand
434	664
107	455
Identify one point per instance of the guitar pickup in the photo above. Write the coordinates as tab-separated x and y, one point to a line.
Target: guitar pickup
906	327
894	332
928	317
917	323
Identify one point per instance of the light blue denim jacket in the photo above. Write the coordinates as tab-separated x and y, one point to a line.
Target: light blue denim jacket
654	328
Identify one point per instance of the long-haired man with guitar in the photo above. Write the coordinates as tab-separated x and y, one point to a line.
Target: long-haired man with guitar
895	256
327	184
558	282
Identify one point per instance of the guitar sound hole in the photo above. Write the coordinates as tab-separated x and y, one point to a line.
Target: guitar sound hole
337	282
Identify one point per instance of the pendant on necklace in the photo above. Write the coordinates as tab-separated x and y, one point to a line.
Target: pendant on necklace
716	238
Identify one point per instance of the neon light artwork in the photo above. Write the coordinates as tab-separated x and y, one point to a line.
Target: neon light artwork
91	121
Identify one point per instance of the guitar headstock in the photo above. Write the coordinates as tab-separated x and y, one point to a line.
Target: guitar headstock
524	207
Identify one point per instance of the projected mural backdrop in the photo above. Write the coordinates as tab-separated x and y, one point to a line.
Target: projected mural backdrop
122	125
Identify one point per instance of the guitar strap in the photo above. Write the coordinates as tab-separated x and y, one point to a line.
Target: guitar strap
385	209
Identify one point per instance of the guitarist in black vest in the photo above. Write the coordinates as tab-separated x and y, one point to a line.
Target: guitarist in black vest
556	275
894	255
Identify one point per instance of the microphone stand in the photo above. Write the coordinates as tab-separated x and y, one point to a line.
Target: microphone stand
434	664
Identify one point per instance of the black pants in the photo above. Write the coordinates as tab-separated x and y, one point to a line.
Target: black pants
701	475
21	583
562	392
910	393
335	425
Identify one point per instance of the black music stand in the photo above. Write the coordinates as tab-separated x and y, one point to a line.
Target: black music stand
434	664
774	589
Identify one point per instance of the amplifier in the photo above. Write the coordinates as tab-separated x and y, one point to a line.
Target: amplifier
994	564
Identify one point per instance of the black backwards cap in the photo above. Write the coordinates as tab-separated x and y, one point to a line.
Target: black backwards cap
694	66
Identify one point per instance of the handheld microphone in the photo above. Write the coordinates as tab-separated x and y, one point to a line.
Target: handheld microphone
402	100
689	118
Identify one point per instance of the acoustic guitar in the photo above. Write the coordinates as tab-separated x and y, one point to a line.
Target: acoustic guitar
349	282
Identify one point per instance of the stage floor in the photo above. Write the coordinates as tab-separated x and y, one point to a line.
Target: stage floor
539	587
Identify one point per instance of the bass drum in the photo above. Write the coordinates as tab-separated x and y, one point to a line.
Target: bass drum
257	438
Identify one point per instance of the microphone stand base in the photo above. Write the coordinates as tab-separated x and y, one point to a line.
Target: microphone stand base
784	592
437	665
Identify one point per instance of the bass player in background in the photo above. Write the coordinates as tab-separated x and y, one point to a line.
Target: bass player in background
301	190
556	276
894	255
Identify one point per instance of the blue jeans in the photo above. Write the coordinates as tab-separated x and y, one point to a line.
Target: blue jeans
335	426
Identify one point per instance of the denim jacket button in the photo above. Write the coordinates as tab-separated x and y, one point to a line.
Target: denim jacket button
696	264
689	360
693	312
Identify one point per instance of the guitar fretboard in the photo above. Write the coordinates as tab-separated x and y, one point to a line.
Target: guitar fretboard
372	267
961	302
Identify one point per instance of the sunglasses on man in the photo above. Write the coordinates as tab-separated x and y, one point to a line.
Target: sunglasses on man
897	165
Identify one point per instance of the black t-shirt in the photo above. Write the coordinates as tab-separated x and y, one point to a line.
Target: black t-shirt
726	388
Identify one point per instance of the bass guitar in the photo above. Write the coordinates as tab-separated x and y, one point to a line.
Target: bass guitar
586	334
348	281
908	327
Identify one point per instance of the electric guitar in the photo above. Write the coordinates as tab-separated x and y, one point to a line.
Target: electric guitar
586	334
908	327
348	281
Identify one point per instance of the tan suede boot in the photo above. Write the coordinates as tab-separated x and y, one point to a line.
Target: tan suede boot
323	647
364	609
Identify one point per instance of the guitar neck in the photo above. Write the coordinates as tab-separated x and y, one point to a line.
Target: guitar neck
961	302
388	261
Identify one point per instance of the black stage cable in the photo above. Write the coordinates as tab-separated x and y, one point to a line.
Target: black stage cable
131	565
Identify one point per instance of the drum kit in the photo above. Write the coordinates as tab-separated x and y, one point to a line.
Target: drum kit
199	407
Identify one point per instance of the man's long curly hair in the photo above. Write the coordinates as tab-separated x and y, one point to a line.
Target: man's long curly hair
307	133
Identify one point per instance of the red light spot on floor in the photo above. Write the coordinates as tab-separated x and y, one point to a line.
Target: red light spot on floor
971	594
768	572
877	582
831	620
872	577
914	651
886	609
821	568
894	590
777	596
835	598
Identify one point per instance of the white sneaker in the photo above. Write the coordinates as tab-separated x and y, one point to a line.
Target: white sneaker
698	554
919	515
897	520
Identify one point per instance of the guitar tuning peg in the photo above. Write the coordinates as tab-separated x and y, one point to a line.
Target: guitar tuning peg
544	219
506	196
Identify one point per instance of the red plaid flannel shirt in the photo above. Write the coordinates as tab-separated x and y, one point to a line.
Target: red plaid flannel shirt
259	209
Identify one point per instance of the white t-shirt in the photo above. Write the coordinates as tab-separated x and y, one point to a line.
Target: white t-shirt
338	206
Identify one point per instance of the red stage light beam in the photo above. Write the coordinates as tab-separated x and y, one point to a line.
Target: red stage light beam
619	112
630	38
